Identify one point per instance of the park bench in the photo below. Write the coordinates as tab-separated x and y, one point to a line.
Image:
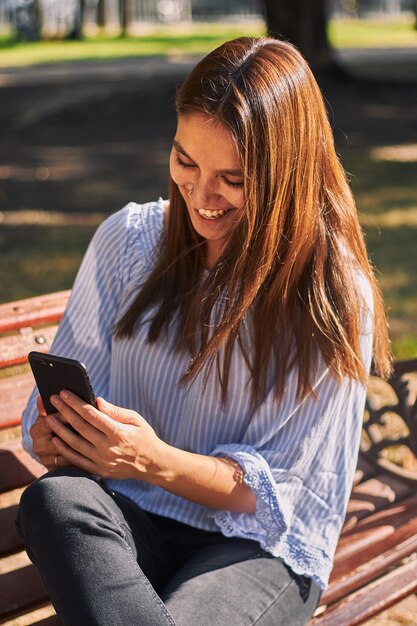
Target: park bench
374	565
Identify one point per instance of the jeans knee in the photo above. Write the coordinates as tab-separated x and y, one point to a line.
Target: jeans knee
50	500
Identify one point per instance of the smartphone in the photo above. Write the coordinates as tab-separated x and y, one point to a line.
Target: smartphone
54	373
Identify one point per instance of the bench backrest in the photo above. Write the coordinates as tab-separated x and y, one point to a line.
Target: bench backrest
24	326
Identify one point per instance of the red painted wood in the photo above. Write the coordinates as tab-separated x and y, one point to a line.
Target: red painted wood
362	567
14	394
33	311
15	348
376	527
371	599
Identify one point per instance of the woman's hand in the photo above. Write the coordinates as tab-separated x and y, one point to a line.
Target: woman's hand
42	437
110	442
118	443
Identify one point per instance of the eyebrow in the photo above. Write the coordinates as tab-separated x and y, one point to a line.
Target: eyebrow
230	172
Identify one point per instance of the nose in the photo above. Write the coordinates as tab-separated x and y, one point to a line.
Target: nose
203	193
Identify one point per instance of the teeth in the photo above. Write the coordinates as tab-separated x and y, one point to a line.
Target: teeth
211	214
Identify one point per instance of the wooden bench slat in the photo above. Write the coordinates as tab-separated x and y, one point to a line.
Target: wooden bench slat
17	468
372	599
10	540
15	392
15	348
365	544
33	311
373	495
375	528
359	569
21	584
394	514
40	616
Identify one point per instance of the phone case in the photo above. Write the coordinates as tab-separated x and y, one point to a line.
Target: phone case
54	373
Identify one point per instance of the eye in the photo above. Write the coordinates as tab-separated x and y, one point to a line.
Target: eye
181	163
235	185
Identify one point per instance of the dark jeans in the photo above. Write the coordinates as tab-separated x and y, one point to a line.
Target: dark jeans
106	562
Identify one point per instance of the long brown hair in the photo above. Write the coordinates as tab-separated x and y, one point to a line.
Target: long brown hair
291	266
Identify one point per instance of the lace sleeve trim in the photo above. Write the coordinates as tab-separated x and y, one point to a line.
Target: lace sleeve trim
269	514
270	522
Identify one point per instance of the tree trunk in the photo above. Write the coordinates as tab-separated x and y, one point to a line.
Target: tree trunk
101	14
303	23
126	11
81	14
77	30
27	20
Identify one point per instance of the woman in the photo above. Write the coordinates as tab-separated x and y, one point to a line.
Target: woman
230	331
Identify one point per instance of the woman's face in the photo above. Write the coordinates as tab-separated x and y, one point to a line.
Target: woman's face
205	161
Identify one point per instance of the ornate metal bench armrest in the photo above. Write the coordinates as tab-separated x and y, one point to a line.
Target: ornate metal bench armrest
405	407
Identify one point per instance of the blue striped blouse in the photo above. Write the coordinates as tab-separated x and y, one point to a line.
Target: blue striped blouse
298	457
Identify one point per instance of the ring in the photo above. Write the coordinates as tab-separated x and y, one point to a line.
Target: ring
56	461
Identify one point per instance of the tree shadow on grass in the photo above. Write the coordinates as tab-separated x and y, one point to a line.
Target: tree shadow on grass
37	259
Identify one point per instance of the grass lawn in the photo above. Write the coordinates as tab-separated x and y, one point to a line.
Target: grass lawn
181	40
366	33
195	39
41	257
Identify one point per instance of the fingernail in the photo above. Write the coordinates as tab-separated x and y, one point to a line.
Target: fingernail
64	394
55	399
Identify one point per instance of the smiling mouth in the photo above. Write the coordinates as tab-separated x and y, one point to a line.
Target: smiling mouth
212	215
